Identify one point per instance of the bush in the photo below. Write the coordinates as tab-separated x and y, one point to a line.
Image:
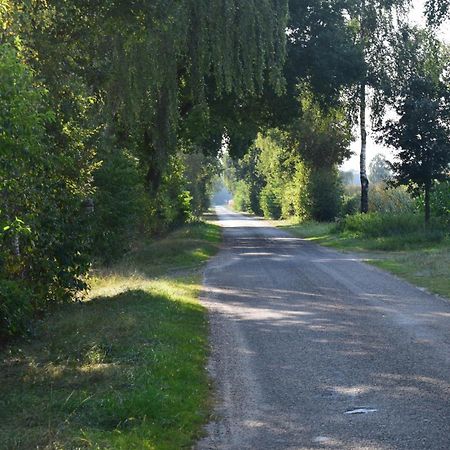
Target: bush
312	194
374	225
351	204
295	200
382	199
270	203
241	198
325	191
15	308
120	204
385	199
440	202
45	177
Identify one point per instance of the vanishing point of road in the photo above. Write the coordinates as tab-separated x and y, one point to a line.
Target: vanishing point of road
311	348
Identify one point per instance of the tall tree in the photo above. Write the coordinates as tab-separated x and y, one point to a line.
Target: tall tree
421	134
375	21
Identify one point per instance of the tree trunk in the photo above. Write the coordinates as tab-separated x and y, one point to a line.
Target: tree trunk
362	123
157	142
153	176
362	160
427	203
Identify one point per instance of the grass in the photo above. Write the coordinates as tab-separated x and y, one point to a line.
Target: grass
124	369
417	254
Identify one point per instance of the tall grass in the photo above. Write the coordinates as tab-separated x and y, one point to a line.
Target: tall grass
392	231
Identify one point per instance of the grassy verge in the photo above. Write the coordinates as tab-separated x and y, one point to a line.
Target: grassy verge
124	369
419	256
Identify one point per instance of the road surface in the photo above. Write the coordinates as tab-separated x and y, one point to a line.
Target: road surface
311	348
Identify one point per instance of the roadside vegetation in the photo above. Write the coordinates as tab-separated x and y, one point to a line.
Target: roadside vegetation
125	367
111	121
114	117
400	243
114	120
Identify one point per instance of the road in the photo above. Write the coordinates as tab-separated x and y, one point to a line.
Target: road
311	348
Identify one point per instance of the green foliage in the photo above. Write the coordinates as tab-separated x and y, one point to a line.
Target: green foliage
325	192
439	201
351	204
172	204
374	225
200	172
294	194
385	199
270	203
241	196
421	98
288	182
246	169
42	186
308	187
321	135
120	204
16	308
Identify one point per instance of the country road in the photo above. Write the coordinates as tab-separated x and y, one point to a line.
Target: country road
311	348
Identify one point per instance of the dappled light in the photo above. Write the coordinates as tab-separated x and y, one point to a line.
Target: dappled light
339	354
172	175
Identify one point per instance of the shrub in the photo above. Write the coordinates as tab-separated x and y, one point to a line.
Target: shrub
120	204
351	204
270	203
373	225
45	177
385	199
439	201
241	199
325	191
15	308
382	199
295	199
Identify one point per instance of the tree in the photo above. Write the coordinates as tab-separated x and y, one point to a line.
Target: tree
44	243
321	135
154	65
421	134
99	96
375	23
379	169
293	171
437	11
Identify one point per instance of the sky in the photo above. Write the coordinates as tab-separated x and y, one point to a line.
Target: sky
373	149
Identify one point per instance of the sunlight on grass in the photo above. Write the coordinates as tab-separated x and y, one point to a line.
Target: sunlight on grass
123	369
427	268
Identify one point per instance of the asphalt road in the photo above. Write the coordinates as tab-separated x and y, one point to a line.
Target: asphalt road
311	348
